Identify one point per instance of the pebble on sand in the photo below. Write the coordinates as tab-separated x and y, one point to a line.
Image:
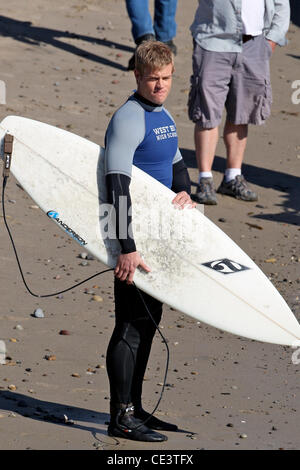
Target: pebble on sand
97	298
18	327
38	313
98	446
64	332
50	357
89	291
84	263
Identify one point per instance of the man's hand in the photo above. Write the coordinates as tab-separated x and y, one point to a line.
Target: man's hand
183	200
127	264
272	44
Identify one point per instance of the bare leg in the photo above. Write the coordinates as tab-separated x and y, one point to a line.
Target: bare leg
205	143
235	139
234	184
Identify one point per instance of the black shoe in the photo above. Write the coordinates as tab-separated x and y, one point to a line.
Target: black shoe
152	422
146	37
172	46
124	424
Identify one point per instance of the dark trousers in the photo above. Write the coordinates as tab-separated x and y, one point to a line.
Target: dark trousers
164	25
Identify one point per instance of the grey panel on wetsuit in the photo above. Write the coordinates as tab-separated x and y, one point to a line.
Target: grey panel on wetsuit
124	134
178	155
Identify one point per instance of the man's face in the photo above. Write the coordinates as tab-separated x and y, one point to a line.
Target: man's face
155	85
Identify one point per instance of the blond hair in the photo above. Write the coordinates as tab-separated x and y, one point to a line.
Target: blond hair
153	54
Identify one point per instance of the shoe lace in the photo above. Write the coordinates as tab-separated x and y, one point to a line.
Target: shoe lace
241	184
205	186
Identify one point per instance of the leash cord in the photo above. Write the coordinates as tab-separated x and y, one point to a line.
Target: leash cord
78	284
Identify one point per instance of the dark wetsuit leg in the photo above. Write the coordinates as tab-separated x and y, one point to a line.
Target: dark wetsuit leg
130	344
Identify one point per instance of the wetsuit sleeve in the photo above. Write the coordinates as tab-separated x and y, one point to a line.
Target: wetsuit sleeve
125	132
177	157
119	196
181	180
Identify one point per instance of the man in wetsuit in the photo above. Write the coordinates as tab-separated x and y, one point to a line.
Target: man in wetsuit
132	138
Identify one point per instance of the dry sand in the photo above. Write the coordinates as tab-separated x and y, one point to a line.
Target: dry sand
64	63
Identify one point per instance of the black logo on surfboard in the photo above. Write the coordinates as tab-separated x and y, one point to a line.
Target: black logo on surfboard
226	266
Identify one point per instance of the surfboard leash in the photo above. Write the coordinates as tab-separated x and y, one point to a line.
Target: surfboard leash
167	360
80	283
8	145
53	294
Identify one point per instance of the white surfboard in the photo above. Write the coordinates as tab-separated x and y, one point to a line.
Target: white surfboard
195	267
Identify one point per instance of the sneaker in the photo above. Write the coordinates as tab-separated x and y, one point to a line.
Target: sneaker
124	424
146	37
206	193
153	422
237	188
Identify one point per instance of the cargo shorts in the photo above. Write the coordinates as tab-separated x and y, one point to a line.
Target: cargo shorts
240	82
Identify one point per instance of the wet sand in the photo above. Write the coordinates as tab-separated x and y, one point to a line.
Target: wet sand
65	64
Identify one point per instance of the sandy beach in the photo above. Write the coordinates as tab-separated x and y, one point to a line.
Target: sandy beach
64	63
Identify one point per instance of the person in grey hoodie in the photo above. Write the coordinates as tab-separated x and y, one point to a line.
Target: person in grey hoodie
233	43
